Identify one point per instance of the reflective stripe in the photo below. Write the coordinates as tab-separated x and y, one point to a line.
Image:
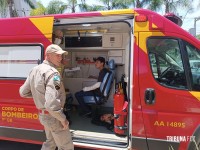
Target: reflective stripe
43	111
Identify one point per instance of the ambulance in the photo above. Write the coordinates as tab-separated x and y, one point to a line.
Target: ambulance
154	92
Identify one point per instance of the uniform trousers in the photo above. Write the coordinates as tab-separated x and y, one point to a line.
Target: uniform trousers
55	135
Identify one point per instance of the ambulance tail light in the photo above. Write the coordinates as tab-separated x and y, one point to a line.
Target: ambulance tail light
141	18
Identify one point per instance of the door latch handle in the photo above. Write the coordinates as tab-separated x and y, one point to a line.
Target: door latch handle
150	96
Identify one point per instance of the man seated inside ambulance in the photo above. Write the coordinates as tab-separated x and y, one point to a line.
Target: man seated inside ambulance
91	90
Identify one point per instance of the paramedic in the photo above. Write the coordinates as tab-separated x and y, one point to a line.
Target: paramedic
44	85
57	37
89	91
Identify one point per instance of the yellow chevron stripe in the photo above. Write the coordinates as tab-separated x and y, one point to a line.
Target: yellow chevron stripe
119	11
144	36
45	25
196	94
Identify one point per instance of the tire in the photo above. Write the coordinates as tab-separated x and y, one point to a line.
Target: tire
193	145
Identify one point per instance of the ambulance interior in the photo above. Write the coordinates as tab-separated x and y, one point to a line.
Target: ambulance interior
85	42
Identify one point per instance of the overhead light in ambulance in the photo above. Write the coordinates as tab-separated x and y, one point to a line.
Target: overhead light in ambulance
86	31
86	25
94	32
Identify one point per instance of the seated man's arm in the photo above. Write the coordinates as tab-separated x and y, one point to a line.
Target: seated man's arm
93	87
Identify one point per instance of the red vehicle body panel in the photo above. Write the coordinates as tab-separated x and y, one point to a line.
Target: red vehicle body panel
176	115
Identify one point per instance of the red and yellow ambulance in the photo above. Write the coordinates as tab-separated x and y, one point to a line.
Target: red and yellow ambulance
158	61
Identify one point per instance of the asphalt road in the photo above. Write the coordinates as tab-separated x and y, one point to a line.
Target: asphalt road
7	145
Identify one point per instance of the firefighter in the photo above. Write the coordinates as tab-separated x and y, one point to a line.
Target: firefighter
44	85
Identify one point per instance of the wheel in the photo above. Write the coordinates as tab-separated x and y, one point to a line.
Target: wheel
195	144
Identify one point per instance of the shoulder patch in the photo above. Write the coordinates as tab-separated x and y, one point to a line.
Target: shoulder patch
56	77
56	81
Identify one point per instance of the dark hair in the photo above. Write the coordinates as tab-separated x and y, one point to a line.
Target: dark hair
96	119
101	59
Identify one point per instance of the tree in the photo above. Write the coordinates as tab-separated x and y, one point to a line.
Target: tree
30	3
141	3
56	7
107	5
40	10
198	36
3	8
85	7
116	4
9	4
170	5
72	4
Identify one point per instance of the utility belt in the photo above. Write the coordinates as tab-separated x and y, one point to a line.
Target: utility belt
44	112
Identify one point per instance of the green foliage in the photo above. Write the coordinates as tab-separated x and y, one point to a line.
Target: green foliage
8	5
106	5
40	10
3	8
56	7
198	36
86	8
30	3
116	4
170	6
72	4
155	5
141	3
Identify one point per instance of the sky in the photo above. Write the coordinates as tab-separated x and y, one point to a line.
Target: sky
188	18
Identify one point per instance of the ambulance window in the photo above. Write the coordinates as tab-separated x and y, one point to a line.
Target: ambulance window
194	62
17	60
166	62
